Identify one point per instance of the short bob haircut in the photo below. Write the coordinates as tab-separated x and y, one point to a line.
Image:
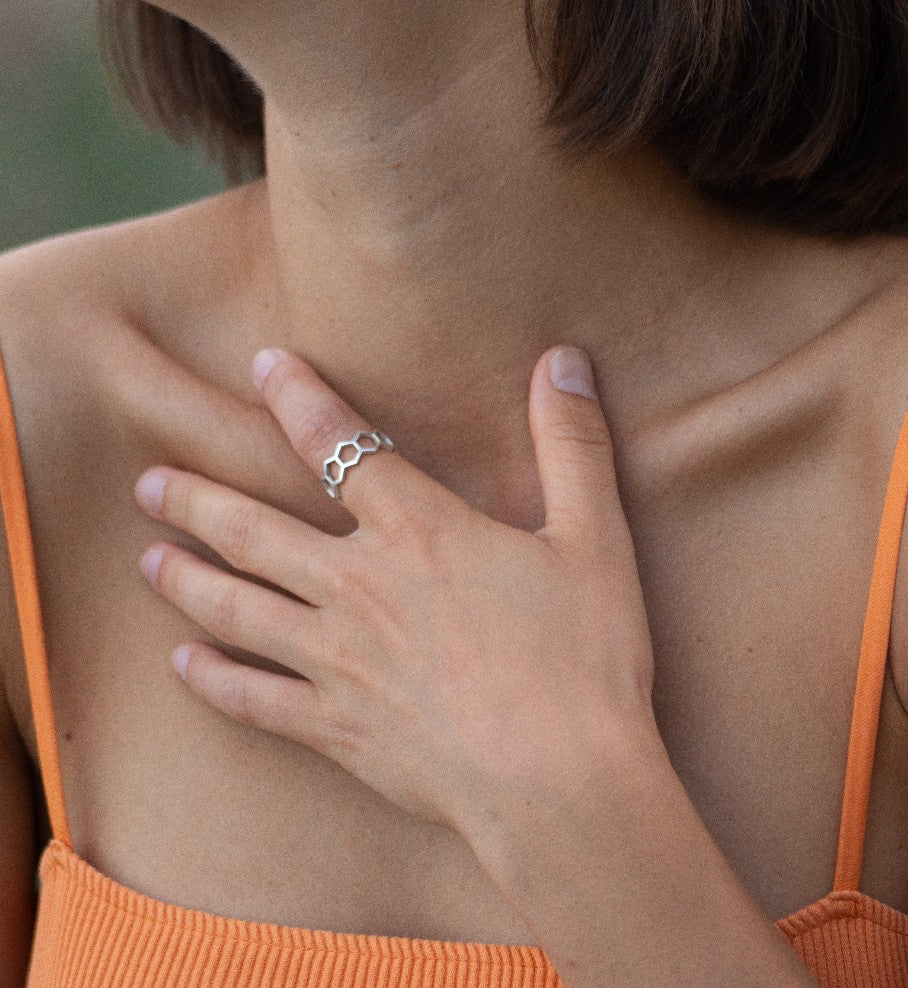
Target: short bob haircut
793	110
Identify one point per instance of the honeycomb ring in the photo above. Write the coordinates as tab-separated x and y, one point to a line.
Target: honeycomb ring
347	454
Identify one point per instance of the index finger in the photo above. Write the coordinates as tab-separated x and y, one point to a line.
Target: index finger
374	480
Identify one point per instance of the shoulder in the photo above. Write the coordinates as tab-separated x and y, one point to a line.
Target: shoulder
68	305
74	311
69	301
62	285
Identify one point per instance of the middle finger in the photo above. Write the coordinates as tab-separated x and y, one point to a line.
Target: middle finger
249	535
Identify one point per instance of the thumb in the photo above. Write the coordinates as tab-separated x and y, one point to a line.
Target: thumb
574	454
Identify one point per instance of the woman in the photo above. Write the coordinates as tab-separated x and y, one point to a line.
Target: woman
574	694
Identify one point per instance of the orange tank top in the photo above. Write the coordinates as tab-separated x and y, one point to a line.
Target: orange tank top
92	932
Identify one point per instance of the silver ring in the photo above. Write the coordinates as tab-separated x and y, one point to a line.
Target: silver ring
336	466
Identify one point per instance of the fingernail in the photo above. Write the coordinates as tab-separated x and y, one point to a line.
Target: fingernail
150	563
149	490
179	658
262	363
570	370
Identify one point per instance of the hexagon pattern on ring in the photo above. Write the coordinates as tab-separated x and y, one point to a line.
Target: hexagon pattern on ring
348	454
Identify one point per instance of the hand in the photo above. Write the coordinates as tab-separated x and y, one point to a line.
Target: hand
453	663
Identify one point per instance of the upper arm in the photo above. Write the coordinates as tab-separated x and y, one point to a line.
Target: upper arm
17	854
18	849
27	298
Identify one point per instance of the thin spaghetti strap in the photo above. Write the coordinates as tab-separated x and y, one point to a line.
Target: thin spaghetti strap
871	673
25	585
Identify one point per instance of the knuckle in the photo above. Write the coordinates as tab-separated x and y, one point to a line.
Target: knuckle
239	700
585	434
404	520
345	577
272	707
316	435
581	427
338	729
224	612
237	533
353	677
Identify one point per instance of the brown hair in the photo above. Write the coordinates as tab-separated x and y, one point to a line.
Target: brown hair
795	110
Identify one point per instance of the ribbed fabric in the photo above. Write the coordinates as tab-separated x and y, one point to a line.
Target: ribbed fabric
92	932
95	933
849	940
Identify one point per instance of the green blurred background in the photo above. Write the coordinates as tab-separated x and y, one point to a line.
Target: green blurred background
71	154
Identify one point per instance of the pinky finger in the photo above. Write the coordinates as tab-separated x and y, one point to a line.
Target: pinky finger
265	700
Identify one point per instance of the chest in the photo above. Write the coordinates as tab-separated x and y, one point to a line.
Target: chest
755	580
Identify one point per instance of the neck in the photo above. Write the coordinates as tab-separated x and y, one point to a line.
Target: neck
425	242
